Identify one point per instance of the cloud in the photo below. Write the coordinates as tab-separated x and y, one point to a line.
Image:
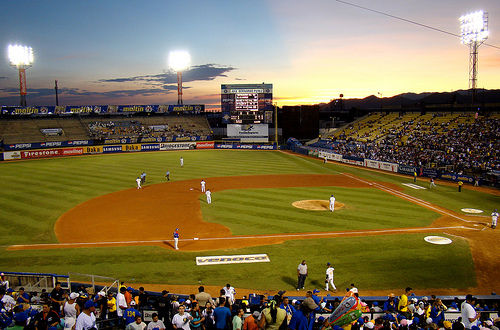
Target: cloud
196	73
150	86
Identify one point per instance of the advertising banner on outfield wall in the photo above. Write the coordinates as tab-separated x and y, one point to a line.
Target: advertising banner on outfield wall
150	147
56	144
330	156
205	145
177	146
244	146
385	166
353	160
111	149
407	169
93	150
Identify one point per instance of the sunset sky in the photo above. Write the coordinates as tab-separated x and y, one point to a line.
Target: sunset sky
111	52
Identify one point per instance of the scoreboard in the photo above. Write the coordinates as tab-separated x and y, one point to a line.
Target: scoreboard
247	103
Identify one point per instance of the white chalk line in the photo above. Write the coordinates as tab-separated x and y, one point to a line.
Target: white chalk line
300	235
411	198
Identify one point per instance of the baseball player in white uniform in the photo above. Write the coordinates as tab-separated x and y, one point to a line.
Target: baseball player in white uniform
182	162
329	277
138	180
202	185
332	203
494	219
209	196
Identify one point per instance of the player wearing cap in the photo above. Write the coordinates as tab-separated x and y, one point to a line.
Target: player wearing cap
209	196
86	319
329	277
332	203
138	180
494	219
202	185
176	238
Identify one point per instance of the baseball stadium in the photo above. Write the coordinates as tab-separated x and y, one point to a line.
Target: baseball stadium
84	214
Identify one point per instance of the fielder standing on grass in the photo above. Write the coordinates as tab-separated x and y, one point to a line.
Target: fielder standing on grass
329	277
332	203
494	219
209	196
138	180
182	162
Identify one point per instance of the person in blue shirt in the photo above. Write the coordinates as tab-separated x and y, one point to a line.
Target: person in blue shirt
176	238
304	317
22	297
222	315
130	313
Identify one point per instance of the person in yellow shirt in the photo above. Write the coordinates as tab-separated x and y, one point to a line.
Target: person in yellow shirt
111	306
404	302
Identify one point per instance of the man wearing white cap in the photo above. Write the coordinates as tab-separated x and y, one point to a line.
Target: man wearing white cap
70	309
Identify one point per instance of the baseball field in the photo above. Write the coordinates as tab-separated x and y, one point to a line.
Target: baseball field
84	214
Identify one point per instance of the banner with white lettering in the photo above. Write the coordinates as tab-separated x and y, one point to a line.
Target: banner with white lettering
239	259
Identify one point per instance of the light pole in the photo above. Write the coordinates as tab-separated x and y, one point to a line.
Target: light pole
474	31
179	61
21	58
380	100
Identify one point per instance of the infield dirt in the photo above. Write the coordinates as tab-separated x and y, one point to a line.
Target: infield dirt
156	210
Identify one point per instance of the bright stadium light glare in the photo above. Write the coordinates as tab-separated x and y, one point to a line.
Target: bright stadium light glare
474	27
179	60
20	56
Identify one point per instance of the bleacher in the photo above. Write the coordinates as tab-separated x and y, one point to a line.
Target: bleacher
37	129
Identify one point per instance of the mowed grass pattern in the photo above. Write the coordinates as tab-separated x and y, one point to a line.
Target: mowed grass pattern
270	211
36	193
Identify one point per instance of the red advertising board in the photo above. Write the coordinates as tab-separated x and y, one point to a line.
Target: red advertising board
205	145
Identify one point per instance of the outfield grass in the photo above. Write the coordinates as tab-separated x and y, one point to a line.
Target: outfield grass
36	193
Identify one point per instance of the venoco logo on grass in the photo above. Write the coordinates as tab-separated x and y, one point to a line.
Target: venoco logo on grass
239	259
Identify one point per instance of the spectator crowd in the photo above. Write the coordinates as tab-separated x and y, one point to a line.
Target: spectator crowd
80	310
472	145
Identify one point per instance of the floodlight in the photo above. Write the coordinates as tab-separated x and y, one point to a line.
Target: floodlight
21	58
20	55
179	60
474	31
474	27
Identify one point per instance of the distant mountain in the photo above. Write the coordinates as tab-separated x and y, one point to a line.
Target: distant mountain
427	98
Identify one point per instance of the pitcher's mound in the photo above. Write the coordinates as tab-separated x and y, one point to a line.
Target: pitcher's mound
316	205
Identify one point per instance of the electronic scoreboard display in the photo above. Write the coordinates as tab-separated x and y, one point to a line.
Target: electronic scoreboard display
247	103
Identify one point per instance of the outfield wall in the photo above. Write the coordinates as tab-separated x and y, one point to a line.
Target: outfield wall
104	149
119	148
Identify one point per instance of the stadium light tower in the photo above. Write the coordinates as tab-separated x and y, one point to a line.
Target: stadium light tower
474	31
179	61
21	57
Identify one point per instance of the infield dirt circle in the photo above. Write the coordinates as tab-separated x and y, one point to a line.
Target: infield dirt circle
316	205
148	216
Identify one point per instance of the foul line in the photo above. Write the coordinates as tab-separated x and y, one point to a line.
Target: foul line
410	198
302	235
